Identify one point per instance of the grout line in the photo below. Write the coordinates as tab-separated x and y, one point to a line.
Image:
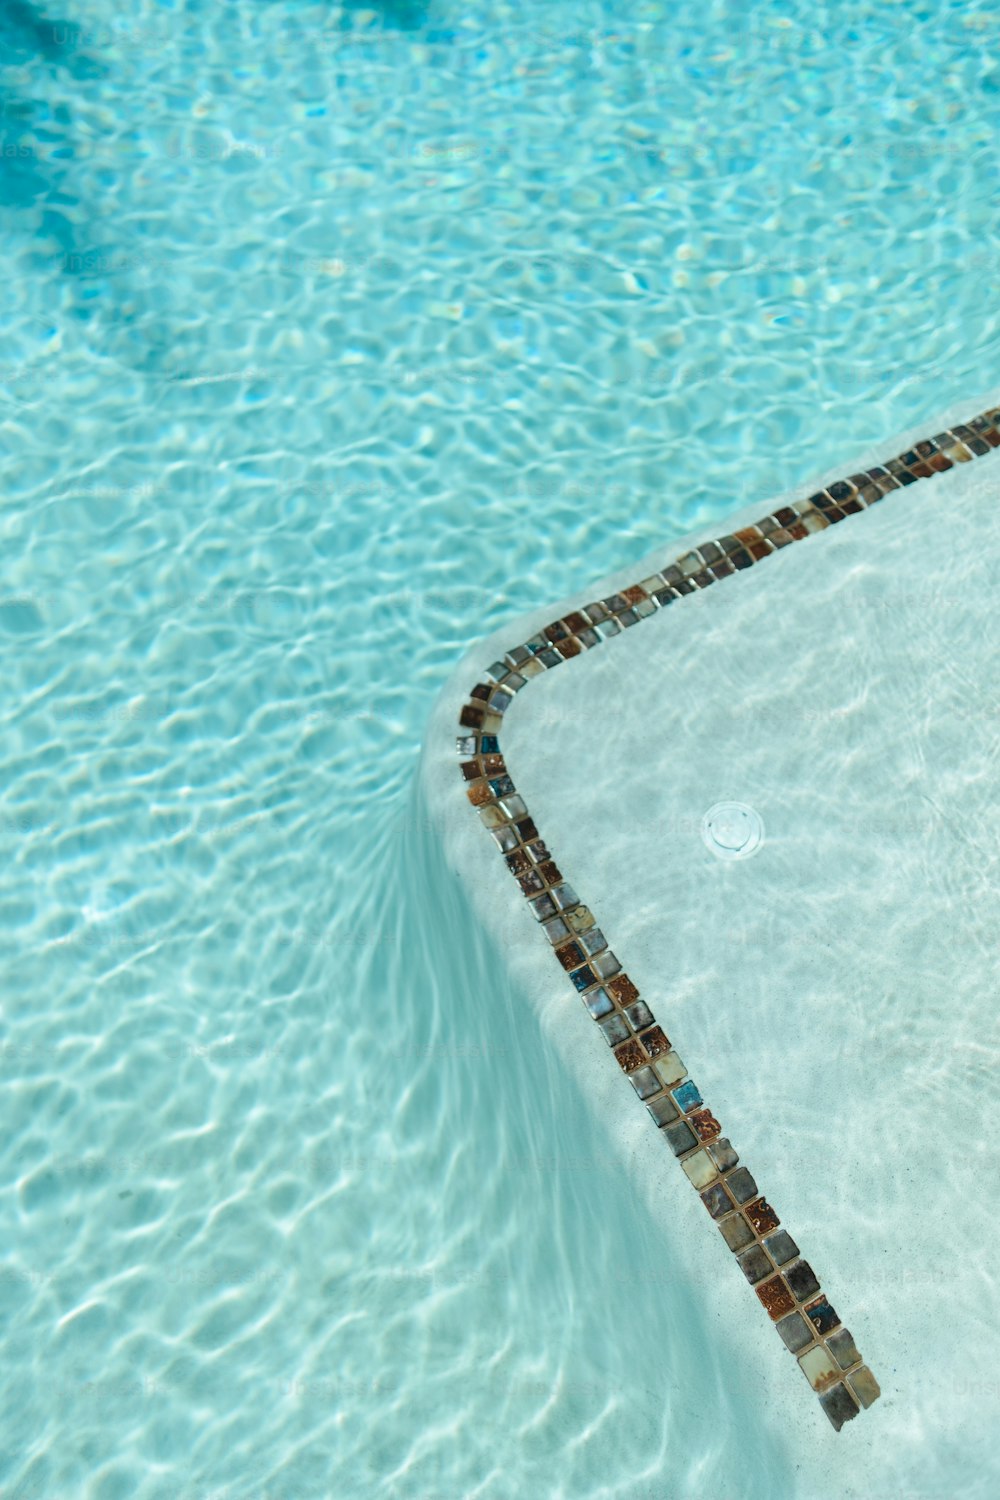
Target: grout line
784	1282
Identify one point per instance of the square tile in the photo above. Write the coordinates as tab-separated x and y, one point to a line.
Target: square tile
501	786
755	1264
479	794
741	1185
542	907
606	964
599	1003
795	1331
631	1056
800	1278
670	1069
471	770
584	978
623	990
864	1385
555	930
705	1124
762	1216
526	830
615	1029
681	1137
489	744
580	919
505	837
819	1367
645	1082
514	807
736	1232
492	816
700	1168
638	1015
466	744
717	1200
843	1348
723	1155
531	883
839	1405
776	1298
518	862
662	1110
593	940
687	1096
821	1315
563	895
656	1043
551	873
781	1247
571	956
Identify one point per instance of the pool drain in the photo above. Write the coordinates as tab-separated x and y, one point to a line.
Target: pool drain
732	830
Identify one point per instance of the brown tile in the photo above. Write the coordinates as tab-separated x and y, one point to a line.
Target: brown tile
481	691
634	595
575	623
554	632
518	862
758	550
705	1124
550	872
776	1298
749	535
470	770
569	647
797	532
623	990
530	884
479	794
655	1041
526	830
571	956
493	765
630	1055
471	716
762	1216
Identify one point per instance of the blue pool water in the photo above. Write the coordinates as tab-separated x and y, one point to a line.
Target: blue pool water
331	338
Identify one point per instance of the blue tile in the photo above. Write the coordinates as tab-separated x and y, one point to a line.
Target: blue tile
584	978
687	1096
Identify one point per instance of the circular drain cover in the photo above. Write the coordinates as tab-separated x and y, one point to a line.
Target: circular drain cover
732	830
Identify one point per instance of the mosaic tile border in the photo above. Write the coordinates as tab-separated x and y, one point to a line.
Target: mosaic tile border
783	1280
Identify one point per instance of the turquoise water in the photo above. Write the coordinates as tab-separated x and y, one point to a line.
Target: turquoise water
331	338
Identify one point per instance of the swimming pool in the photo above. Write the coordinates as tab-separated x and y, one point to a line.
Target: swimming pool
333	339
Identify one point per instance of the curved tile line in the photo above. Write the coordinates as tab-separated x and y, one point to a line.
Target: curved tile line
784	1283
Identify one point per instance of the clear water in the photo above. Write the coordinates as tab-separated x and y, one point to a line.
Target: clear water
331	338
